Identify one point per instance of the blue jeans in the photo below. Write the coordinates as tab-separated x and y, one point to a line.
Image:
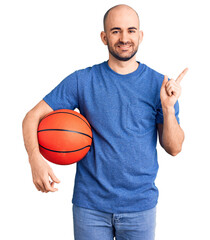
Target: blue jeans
95	225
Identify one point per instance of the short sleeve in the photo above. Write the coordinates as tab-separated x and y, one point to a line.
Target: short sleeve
159	115
64	95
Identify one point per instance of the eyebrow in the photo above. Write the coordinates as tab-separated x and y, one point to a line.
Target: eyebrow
117	28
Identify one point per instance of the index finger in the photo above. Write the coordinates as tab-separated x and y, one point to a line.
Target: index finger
178	80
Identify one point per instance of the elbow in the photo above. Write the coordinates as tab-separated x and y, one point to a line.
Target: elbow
175	153
176	148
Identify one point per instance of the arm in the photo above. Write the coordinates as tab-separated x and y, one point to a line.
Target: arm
171	136
40	169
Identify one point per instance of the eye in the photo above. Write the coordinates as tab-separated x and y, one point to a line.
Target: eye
115	32
132	31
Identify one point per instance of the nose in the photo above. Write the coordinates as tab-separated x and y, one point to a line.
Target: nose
123	37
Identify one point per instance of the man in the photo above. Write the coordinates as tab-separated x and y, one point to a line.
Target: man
126	103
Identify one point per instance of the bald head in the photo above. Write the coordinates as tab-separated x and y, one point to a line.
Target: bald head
118	11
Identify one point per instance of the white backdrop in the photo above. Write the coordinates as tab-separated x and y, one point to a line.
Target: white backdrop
41	43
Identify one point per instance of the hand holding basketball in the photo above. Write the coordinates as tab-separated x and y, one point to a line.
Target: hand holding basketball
171	90
41	172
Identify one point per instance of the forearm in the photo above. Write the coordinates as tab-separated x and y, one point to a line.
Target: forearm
30	124
173	135
41	171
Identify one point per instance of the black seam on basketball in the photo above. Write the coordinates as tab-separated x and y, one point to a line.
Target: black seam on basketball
63	151
67	113
64	130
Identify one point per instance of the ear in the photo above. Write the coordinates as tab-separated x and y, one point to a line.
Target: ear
103	37
141	34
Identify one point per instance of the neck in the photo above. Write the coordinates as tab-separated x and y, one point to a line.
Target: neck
123	67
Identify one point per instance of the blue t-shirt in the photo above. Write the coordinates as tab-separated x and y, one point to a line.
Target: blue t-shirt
118	173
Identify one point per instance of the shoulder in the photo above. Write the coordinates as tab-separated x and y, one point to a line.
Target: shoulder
94	69
155	76
83	73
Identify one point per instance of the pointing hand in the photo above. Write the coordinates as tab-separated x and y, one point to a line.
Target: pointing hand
171	90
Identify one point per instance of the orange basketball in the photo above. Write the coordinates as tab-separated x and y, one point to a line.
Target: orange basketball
64	136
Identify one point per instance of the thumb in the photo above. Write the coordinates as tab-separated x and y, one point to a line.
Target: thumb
165	80
53	177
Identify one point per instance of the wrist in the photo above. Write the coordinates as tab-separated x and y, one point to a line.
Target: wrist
168	110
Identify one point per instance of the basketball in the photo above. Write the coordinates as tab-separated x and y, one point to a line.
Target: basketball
64	136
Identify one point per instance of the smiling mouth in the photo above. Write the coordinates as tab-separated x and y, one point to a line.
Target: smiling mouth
124	47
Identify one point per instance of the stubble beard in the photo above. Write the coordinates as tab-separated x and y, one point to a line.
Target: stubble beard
116	55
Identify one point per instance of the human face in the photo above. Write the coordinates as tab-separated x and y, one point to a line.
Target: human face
120	46
122	34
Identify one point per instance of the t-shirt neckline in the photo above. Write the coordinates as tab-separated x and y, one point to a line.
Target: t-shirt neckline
132	74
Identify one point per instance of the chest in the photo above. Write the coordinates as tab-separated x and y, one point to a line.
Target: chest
115	105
